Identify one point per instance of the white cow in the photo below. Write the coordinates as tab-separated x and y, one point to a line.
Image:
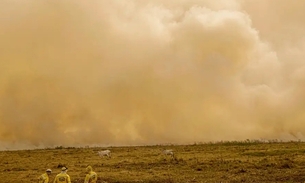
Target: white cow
168	152
104	153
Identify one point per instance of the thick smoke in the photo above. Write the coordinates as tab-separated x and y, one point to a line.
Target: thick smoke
100	72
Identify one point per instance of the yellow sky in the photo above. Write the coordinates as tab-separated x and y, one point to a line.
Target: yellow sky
129	72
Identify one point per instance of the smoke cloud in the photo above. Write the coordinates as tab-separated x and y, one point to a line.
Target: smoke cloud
77	73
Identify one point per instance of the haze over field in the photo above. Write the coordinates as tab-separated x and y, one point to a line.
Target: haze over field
128	72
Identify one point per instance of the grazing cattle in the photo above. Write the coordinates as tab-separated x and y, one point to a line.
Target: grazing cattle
104	153
168	152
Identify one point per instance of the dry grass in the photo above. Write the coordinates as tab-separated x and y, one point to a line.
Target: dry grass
212	162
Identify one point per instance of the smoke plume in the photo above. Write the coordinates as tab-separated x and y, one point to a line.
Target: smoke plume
120	72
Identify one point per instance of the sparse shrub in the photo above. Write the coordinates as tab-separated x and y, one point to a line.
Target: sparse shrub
18	169
198	169
61	165
242	170
59	147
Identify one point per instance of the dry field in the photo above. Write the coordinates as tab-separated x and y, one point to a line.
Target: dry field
248	161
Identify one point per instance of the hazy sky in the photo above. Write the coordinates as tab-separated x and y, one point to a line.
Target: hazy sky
129	72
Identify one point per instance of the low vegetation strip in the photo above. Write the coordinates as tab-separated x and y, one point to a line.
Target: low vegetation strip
207	162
